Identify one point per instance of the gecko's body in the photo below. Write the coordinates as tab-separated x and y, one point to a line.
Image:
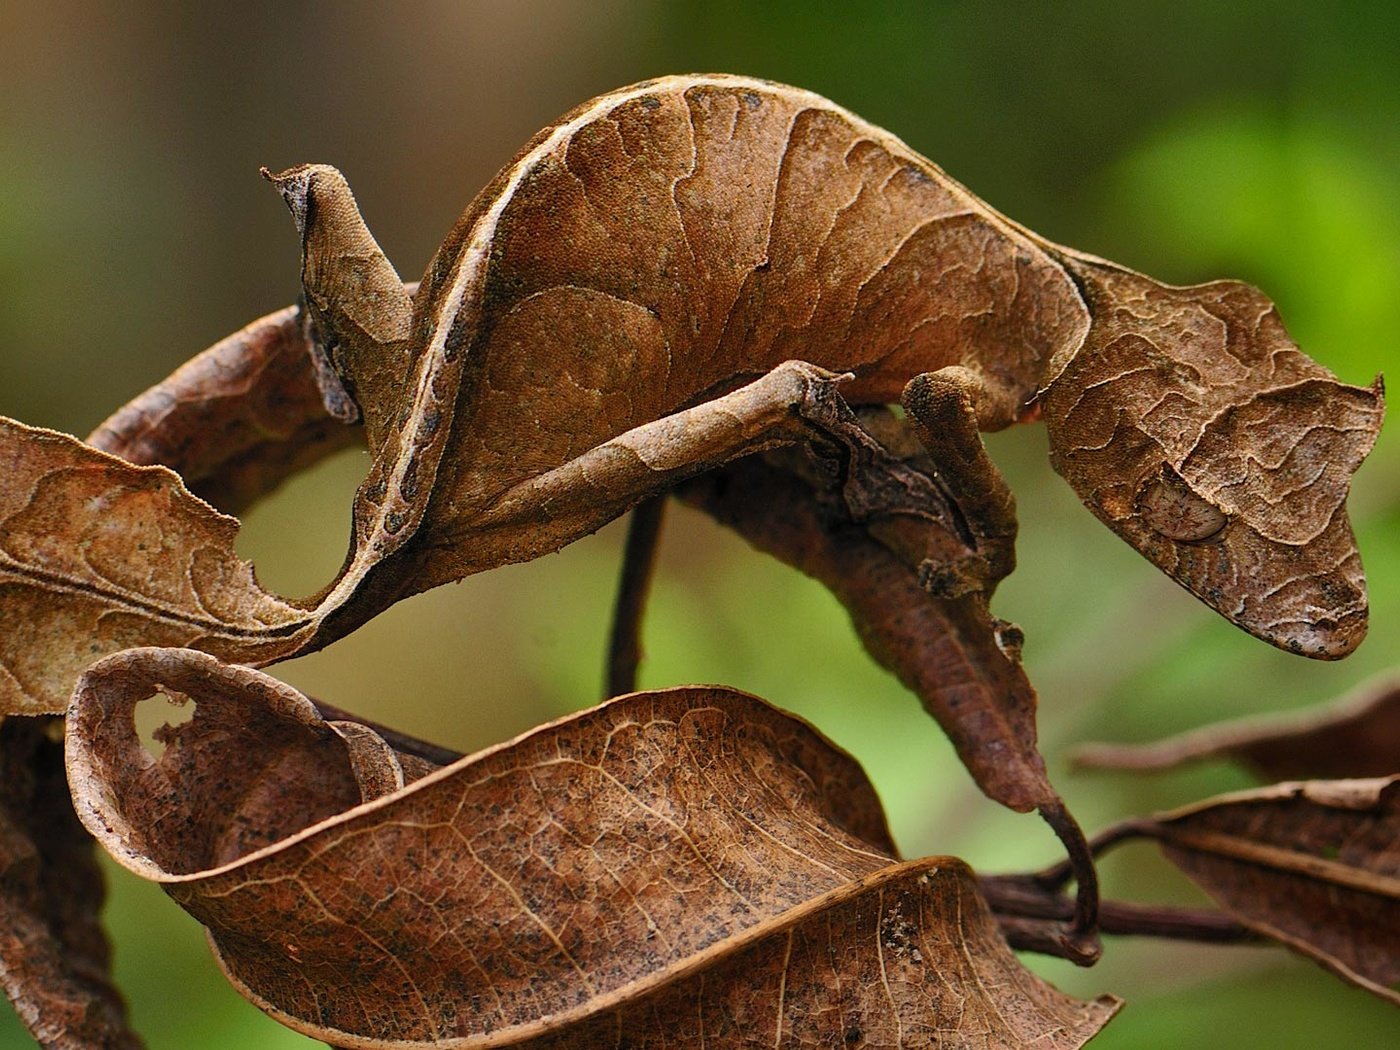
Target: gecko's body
663	245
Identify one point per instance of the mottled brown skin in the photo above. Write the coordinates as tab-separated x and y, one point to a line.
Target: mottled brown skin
671	241
674	276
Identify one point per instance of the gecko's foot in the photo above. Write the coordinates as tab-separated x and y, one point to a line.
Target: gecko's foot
980	572
955	578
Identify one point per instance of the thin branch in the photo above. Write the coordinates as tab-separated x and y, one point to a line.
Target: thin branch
1023	907
1055	876
638	561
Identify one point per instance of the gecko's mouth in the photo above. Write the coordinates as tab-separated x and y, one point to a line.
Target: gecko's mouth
1324	639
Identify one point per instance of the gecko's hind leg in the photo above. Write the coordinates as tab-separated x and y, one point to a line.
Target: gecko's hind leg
871	469
794	403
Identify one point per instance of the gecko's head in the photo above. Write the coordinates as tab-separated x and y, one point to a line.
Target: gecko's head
1193	427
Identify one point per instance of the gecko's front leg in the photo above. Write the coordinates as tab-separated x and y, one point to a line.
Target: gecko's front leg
943	407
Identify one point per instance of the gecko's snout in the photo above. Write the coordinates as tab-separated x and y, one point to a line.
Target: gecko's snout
1330	641
1322	638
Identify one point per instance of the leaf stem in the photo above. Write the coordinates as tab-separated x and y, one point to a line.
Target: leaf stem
1055	876
1080	942
402	742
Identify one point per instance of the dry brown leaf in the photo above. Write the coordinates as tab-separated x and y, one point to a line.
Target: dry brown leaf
1314	865
1357	735
660	863
879	966
963	665
54	956
97	555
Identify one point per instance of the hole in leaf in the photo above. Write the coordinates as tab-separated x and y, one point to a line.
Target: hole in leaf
157	715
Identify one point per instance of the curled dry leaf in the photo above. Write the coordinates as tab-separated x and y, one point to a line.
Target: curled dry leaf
668	866
54	956
1313	865
963	664
802	984
1358	735
97	555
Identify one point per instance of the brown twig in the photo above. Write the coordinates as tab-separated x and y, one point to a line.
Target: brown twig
638	561
1022	906
1055	876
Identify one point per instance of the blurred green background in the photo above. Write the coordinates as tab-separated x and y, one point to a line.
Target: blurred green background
1191	140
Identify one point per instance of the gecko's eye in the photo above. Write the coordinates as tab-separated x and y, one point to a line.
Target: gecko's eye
1166	504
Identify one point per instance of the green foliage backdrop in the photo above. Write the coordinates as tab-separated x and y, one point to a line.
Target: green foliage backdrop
1190	140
